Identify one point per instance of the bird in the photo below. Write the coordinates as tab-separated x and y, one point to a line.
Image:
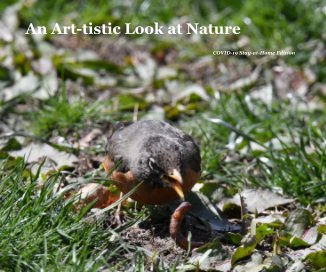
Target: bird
164	159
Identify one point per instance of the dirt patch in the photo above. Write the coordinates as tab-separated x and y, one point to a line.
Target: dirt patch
153	236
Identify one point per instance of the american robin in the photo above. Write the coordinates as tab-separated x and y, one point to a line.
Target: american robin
162	156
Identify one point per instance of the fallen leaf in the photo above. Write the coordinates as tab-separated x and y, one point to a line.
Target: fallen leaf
96	192
242	252
262	231
207	256
6	77
145	66
11	145
49	84
317	259
298	222
322	229
244	82
84	142
9	22
24	85
302	253
255	264
166	72
189	90
264	93
290	81
258	200
311	235
271	218
35	151
235	238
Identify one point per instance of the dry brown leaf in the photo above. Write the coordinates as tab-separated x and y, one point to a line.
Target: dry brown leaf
258	200
98	192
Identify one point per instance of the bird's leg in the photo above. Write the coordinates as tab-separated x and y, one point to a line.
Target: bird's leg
108	165
118	214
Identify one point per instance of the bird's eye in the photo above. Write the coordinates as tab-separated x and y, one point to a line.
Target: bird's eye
152	164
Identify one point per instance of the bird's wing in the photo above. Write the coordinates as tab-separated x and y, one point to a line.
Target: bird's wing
191	153
123	144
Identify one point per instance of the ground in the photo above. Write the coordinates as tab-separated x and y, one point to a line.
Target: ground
259	120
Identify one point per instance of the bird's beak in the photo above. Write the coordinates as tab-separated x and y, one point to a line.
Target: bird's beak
175	181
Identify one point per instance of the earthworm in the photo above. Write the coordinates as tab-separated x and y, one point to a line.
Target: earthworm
175	225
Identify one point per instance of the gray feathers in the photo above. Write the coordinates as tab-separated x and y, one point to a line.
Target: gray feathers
151	148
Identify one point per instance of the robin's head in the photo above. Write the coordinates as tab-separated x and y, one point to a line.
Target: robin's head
159	162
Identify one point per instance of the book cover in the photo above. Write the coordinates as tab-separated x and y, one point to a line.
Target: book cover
108	106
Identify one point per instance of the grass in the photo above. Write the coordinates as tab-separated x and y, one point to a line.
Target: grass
278	147
244	142
41	231
273	145
61	115
277	25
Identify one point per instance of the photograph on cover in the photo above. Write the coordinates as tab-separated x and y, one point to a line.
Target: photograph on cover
162	135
